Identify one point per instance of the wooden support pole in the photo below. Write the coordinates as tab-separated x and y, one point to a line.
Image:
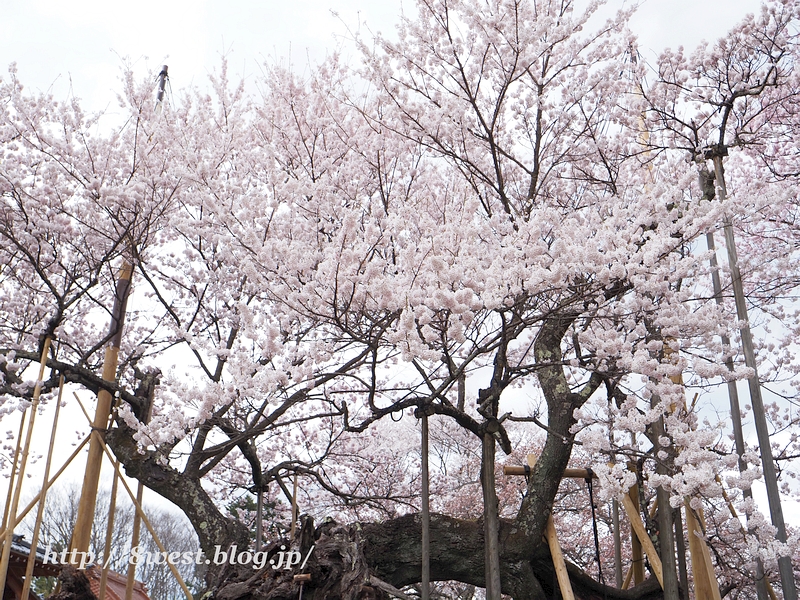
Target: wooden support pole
558	560
137	521
23	460
559	564
680	548
259	518
705	582
26	586
568	473
770	591
637	555
491	521
641	533
628	577
733	398
83	525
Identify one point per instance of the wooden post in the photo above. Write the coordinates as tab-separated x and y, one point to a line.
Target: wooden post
259	517
26	586
637	556
680	547
736	413
705	582
641	533
559	564
94	461
558	560
137	521
12	512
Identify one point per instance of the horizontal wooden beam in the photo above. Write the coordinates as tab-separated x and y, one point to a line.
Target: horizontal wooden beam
570	473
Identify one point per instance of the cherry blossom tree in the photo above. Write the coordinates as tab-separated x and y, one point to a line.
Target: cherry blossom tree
489	221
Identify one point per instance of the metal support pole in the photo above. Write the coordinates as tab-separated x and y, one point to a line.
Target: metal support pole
617	544
294	508
754	384
425	514
259	517
491	522
736	412
162	82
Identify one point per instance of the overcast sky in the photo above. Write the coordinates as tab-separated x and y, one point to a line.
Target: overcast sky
84	42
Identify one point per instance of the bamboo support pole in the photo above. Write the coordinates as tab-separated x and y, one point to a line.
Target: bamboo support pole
26	586
83	524
24	512
137	524
147	523
12	477
641	533
12	512
137	504
112	507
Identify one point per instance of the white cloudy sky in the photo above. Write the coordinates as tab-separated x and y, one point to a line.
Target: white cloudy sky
56	43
